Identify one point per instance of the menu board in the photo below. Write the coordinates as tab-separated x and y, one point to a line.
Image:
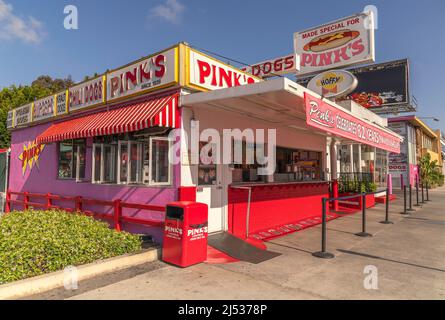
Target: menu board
61	103
10	119
43	108
23	115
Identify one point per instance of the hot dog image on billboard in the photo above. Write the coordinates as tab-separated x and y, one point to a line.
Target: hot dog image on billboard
345	42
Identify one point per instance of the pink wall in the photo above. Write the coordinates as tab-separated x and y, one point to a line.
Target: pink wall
43	179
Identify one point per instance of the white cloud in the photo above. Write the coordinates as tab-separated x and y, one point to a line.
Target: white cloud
28	29
171	11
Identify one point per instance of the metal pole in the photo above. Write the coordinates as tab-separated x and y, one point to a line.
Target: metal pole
248	213
423	199
410	199
386	221
404	201
427	193
323	254
417	194
363	233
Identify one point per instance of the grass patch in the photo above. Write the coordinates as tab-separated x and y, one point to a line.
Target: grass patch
35	242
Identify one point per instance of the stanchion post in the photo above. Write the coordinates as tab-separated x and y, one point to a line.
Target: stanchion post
427	193
417	194
363	233
323	253
404	201
423	197
410	199
386	221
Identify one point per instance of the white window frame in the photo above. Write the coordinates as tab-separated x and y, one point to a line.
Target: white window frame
118	165
170	167
93	165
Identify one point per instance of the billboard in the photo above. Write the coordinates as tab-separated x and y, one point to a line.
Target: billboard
382	87
345	42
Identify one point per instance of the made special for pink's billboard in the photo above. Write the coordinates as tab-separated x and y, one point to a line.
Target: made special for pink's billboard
326	117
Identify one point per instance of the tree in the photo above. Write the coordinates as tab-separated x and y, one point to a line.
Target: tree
429	170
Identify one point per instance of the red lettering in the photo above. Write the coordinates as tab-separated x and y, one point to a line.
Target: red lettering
325	58
131	77
144	75
236	77
267	67
357	47
340	55
160	64
204	70
114	86
306	59
225	76
255	70
213	75
278	65
289	62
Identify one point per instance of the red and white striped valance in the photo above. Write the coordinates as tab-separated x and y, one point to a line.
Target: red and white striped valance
160	112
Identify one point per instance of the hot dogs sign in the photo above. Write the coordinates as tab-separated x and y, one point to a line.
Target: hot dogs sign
344	42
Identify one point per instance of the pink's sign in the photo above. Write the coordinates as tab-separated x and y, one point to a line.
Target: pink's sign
326	117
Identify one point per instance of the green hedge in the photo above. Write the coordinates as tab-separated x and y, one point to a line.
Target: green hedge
36	242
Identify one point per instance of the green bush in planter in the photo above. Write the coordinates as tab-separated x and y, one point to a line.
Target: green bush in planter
37	242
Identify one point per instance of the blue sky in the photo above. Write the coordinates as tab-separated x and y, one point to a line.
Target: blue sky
111	33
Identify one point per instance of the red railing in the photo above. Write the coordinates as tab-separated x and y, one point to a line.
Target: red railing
78	203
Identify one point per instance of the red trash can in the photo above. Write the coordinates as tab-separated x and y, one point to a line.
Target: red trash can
185	233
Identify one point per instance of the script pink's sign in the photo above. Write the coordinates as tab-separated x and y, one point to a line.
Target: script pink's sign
326	117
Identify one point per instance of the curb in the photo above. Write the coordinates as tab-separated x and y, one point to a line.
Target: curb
46	282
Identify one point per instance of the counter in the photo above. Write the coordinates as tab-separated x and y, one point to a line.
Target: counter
273	204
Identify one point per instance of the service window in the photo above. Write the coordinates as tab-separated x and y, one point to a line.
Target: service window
71	162
134	159
160	166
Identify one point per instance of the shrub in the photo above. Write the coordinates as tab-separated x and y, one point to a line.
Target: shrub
37	242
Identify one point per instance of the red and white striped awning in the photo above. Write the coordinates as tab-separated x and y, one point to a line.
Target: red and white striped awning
160	112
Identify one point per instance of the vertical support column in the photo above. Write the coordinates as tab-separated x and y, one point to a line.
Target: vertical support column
351	158
333	157
335	194
78	203
49	201
8	201
117	214
25	200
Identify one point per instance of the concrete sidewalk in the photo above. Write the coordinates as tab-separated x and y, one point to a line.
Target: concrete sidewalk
409	256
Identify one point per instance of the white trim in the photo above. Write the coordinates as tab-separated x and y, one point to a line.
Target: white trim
151	181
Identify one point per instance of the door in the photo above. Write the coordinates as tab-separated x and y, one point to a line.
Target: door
211	192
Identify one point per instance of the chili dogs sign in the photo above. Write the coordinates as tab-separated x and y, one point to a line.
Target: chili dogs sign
86	94
278	66
206	73
326	117
153	72
344	42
